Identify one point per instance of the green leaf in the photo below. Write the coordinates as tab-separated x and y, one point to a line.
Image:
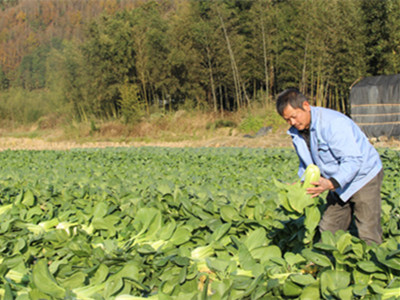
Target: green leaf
183	274
369	266
312	218
311	221
220	232
112	286
219	265
106	223
360	290
293	259
317	258
167	230
100	275
265	253
344	242
45	281
390	259
29	198
325	247
130	270
36	294
164	188
5	208
393	263
387	293
298	198
245	258
8	295
334	280
360	277
310	292
290	289
100	209
75	280
87	292
284	202
129	297
255	239
346	294
328	238
229	213
181	236
393	260
358	247
149	221
201	252
302	279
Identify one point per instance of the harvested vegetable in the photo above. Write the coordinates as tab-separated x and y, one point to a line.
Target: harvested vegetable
312	174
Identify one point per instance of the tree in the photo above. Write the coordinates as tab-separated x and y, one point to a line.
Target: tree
32	71
263	37
110	60
192	59
392	43
4	81
150	43
291	42
376	29
322	49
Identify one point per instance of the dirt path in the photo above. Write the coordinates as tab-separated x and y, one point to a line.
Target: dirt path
272	140
7	143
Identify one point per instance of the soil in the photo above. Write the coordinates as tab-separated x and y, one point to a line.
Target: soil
277	139
10	143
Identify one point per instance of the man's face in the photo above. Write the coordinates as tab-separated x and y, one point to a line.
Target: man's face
297	117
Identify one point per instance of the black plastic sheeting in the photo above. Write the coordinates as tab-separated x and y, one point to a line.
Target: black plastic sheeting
375	105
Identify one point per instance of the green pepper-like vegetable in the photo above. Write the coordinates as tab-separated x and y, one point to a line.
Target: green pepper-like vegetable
312	174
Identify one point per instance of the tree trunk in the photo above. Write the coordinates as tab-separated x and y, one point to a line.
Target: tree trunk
212	80
304	73
221	100
233	64
264	44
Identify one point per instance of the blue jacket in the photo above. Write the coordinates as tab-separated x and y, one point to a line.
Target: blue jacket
340	149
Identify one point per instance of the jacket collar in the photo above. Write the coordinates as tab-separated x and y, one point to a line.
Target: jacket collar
314	116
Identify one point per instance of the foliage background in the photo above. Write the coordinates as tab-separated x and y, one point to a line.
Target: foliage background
124	60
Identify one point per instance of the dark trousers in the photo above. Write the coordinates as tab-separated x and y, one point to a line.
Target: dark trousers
365	205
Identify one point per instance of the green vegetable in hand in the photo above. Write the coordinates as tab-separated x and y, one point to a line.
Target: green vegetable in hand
312	174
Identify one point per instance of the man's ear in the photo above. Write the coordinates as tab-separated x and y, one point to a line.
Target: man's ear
306	106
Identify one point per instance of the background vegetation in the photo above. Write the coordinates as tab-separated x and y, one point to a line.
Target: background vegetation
127	61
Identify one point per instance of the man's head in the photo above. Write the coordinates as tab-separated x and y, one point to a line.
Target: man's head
294	108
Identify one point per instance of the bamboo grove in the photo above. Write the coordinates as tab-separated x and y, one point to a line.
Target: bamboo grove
123	59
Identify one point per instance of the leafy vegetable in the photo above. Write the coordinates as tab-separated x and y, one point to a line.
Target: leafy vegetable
312	174
45	281
160	223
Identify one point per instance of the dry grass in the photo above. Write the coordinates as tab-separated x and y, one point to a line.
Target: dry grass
179	129
179	126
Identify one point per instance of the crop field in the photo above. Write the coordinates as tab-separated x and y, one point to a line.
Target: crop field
182	223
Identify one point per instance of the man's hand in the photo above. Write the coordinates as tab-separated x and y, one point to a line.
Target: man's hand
320	186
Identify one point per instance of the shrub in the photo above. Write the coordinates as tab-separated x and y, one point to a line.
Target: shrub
220	124
252	123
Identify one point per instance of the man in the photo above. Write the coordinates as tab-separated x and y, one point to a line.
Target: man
351	169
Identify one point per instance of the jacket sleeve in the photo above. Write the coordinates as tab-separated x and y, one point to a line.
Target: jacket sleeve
302	151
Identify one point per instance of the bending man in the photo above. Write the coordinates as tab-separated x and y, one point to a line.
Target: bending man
350	166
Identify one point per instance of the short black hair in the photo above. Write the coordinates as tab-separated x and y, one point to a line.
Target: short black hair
292	97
